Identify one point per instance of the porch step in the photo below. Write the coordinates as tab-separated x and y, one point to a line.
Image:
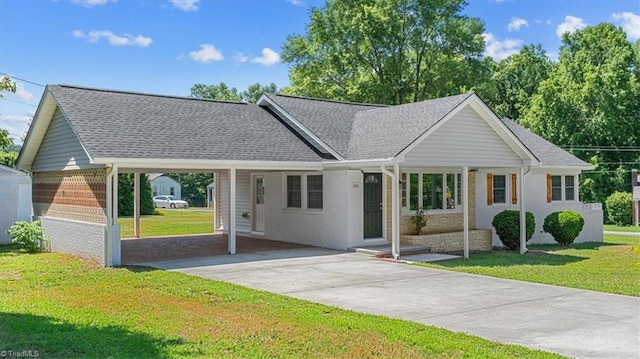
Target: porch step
384	251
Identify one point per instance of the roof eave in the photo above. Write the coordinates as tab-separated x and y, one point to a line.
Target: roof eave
37	130
201	165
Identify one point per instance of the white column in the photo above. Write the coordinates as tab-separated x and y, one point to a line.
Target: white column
214	199
232	211
136	205
395	212
523	215
465	210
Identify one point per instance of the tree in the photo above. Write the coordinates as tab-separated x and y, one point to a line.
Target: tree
222	91
590	104
516	80
125	195
6	84
386	51
194	186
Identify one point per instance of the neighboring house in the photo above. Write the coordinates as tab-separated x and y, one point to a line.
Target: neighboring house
211	193
164	185
317	172
15	200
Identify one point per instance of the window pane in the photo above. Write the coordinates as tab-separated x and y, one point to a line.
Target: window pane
403	191
556	188
314	191
432	193
451	191
459	190
413	191
569	188
259	190
294	192
499	189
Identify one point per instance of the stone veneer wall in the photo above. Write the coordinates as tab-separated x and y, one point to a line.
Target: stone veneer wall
437	223
72	208
479	240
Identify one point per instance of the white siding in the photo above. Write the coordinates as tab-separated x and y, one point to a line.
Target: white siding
465	139
15	197
61	149
162	186
536	203
243	200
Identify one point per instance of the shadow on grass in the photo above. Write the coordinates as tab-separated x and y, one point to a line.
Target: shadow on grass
506	258
557	247
53	338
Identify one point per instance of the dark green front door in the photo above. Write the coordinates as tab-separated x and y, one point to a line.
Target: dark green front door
372	205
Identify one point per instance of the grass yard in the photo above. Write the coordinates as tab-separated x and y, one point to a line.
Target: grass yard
612	266
62	306
614	228
170	222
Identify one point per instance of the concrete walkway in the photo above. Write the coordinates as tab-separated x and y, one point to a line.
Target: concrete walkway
573	322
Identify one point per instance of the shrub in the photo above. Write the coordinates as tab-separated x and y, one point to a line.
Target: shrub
28	235
507	225
564	226
619	208
419	220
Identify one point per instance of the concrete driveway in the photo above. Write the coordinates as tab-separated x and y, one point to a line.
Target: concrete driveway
573	322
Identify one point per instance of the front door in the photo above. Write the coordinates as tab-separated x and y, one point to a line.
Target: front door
258	204
372	205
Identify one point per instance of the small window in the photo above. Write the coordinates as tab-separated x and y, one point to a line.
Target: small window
450	191
459	189
569	188
556	188
432	191
499	189
294	192
314	191
414	194
403	190
172	191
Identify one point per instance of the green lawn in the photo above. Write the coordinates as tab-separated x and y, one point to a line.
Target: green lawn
170	222
65	307
612	266
611	227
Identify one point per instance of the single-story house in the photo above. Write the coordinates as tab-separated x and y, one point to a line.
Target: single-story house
15	200
310	171
164	185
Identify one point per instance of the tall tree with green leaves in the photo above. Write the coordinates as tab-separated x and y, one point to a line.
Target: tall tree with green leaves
591	105
222	91
125	195
6	84
386	51
516	79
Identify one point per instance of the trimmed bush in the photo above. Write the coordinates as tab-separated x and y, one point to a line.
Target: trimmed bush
619	208
564	226
507	225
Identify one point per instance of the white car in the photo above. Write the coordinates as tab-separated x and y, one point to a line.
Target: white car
169	202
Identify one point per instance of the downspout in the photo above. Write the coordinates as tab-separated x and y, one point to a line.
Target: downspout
395	238
523	213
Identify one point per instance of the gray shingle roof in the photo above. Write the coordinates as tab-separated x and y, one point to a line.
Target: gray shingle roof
118	124
330	121
546	152
385	132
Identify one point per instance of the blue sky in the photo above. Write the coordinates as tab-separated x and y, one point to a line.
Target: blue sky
166	46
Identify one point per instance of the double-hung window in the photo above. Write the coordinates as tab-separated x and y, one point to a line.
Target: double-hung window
561	188
499	189
304	191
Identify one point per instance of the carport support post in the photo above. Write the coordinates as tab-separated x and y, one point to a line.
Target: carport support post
136	205
232	211
465	210
523	215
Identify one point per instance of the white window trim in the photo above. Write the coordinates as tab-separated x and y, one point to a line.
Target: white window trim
405	207
304	202
563	189
507	189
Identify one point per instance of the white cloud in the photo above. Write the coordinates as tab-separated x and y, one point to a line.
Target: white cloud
630	23
114	40
296	2
22	93
268	58
516	23
186	5
206	54
240	58
570	24
499	50
91	3
16	119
